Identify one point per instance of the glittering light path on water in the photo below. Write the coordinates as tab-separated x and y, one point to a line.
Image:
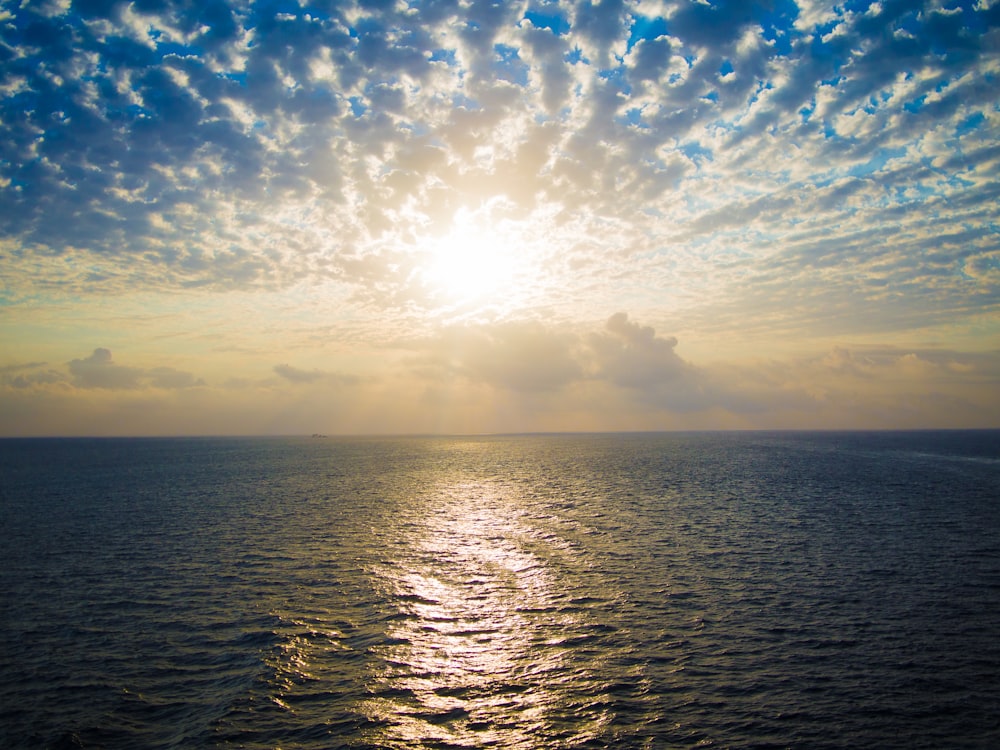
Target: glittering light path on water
489	647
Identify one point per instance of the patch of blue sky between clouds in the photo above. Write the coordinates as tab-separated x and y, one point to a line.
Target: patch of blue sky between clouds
646	28
554	22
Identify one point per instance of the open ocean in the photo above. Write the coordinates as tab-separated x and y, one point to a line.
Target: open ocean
729	590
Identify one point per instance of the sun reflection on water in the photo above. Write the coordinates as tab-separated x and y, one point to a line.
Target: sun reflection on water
474	657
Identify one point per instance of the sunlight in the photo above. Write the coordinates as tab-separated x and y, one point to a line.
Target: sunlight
475	262
476	655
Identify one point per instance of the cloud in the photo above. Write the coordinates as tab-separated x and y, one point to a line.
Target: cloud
296	375
216	146
29	375
168	377
505	376
626	361
647	367
632	356
625	373
7	369
100	371
601	27
519	356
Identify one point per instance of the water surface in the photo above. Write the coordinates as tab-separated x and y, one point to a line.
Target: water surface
675	590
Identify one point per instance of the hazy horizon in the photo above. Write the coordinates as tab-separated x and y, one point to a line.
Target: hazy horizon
473	435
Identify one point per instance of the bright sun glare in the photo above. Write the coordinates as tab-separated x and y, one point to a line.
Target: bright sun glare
472	263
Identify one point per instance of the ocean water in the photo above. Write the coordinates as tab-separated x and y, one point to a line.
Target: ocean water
750	590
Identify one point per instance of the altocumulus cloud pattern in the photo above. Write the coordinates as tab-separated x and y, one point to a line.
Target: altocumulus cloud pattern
258	144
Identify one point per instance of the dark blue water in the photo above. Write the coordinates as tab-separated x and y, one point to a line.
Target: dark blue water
761	590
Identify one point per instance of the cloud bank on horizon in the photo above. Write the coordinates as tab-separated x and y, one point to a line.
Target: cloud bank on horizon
475	192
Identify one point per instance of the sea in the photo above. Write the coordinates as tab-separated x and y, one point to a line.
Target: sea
669	590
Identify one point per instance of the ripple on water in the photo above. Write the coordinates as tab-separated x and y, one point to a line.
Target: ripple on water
593	591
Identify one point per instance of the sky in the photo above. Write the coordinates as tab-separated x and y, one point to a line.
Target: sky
459	216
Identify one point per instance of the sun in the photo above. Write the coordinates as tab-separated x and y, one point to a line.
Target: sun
475	262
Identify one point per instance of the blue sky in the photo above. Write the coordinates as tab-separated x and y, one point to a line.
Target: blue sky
392	216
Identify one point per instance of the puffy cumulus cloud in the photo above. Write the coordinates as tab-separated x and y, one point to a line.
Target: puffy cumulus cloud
99	370
624	363
625	373
179	145
633	356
